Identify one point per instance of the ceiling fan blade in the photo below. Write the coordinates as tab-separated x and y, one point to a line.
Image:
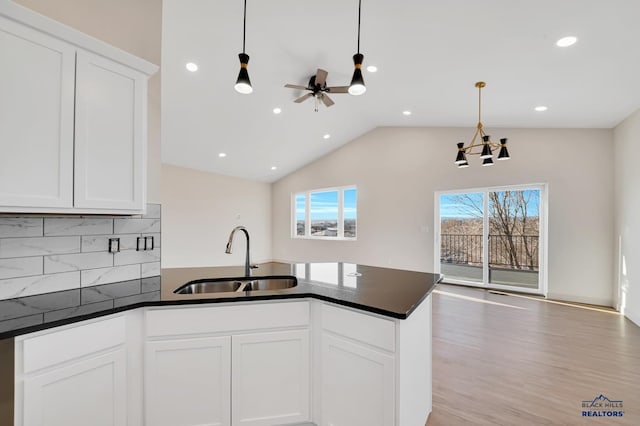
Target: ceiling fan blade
321	77
326	100
338	89
295	86
303	98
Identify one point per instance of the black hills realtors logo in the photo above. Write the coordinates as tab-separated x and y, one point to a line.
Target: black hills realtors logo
601	406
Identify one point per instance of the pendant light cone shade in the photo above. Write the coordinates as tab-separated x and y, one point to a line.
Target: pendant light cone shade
487	162
463	165
504	153
243	83
486	148
357	86
461	158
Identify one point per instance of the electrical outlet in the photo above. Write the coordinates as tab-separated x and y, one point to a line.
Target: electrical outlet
114	245
148	243
140	243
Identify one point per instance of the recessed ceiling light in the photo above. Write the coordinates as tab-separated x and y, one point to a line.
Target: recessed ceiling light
327	136
273	167
566	41
406	112
191	66
372	68
222	155
541	108
277	110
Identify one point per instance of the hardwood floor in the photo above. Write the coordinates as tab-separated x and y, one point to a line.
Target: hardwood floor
511	360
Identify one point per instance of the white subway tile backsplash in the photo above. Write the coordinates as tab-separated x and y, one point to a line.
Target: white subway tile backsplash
20	227
20	267
101	242
109	275
38	246
153	211
27	286
45	253
136	226
77	262
77	226
131	256
150	269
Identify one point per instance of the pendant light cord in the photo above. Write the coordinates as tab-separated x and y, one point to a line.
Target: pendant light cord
479	105
244	26
359	13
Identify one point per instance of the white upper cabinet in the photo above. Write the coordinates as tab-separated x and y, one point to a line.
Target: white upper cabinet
73	120
110	138
36	118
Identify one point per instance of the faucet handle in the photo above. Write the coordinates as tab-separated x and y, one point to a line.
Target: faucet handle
254	266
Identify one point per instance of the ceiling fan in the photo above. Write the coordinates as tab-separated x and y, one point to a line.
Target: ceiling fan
318	89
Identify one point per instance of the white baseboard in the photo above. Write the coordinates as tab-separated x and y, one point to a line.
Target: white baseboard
581	299
633	316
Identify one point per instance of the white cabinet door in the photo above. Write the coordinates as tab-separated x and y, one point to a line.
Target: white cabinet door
358	384
36	118
188	382
110	135
91	391
270	378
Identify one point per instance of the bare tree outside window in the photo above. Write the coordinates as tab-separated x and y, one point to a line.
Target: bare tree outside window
513	232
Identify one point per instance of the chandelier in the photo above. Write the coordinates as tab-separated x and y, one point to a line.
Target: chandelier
484	146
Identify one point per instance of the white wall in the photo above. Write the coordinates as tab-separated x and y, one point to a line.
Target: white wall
133	26
200	209
397	171
627	214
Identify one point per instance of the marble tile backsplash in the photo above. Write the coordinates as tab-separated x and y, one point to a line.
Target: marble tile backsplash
45	253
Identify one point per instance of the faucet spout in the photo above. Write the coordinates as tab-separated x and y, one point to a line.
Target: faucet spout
247	261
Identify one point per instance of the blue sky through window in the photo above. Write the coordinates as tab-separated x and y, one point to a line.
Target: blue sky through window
461	205
324	205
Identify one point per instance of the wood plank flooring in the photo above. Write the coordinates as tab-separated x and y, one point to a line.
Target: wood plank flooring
510	360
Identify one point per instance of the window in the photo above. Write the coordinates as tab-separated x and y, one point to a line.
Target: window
325	213
493	237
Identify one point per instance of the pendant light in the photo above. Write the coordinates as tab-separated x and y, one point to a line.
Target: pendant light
243	84
486	153
357	86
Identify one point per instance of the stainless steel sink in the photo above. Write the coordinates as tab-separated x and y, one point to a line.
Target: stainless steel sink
237	285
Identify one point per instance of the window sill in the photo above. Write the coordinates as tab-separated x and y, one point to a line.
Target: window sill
298	237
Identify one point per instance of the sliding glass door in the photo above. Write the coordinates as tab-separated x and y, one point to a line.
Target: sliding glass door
492	237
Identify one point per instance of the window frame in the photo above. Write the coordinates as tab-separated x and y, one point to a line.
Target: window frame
307	214
543	259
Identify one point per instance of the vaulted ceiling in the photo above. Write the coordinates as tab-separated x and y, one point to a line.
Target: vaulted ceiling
429	55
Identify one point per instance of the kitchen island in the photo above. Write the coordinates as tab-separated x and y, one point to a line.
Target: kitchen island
348	345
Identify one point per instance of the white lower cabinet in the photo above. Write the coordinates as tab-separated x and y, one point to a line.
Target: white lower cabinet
358	386
75	376
89	391
236	364
188	381
247	364
372	370
270	378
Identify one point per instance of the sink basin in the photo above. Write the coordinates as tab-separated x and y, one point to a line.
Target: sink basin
241	284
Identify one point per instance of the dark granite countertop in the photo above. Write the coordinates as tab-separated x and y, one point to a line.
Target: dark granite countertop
391	292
